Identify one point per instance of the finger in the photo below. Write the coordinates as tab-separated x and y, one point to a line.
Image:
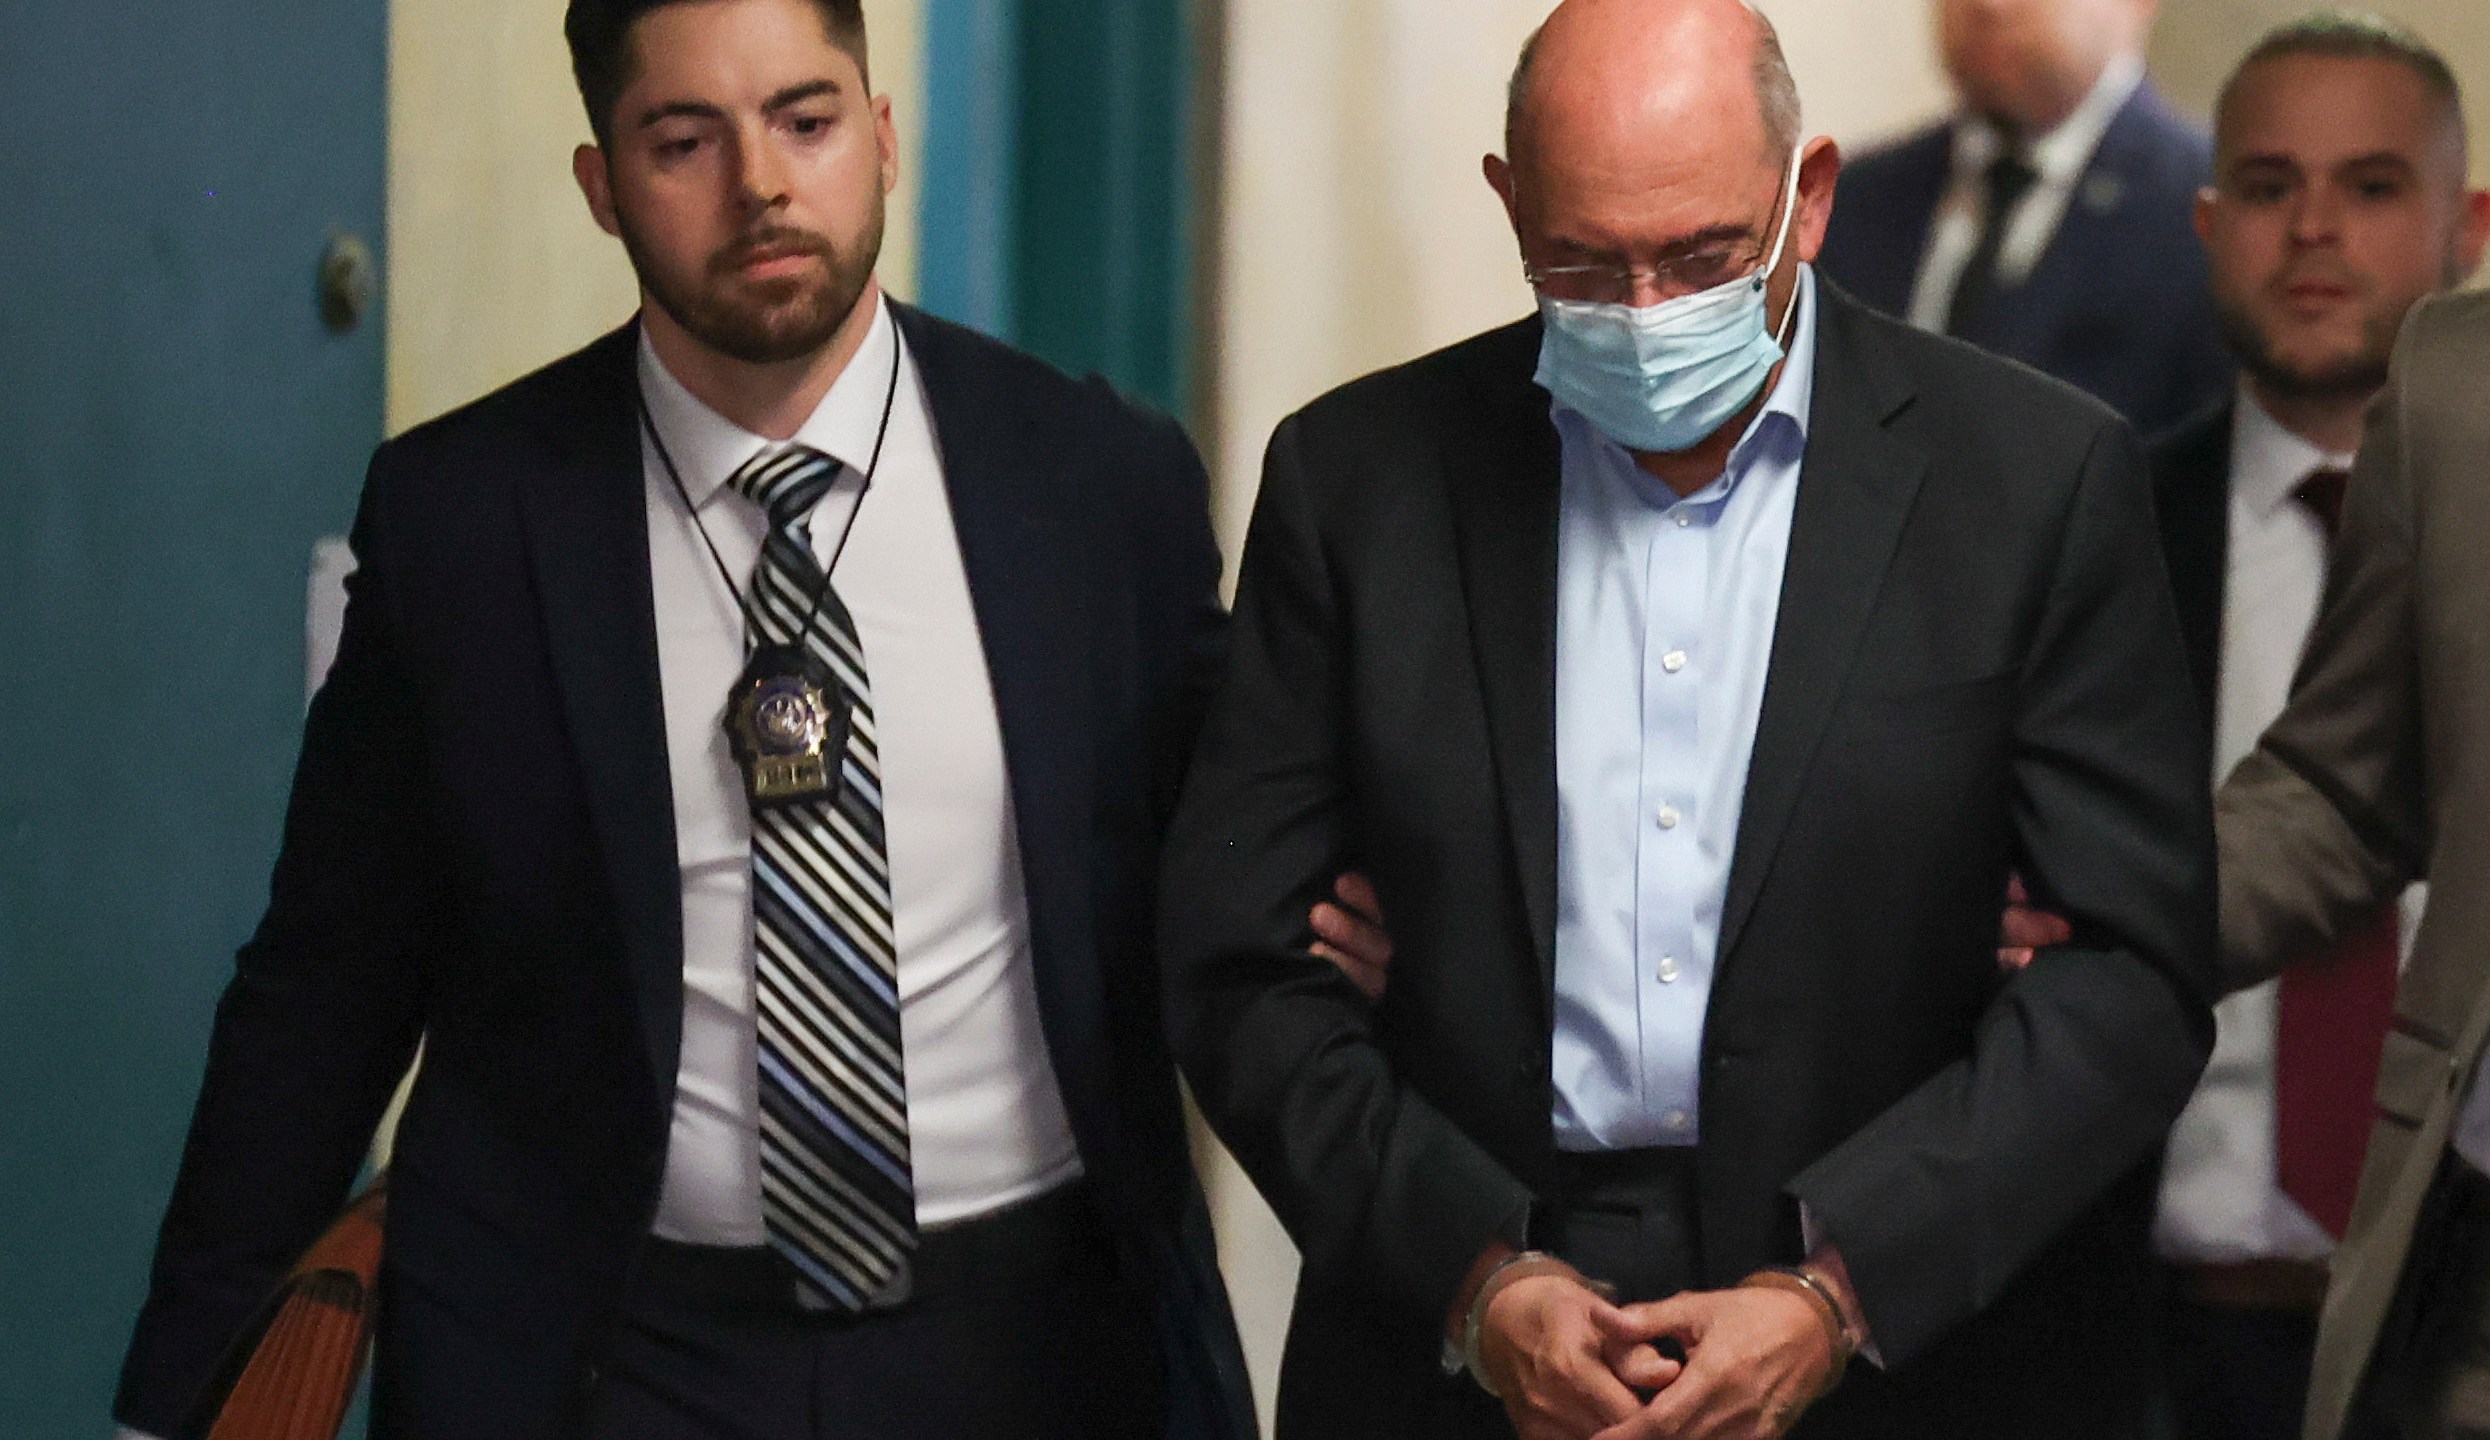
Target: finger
1358	893
2025	928
1367	977
2016	893
1641	1367
2013	960
1681	1410
1648	1423
1601	1398
1680	1317
1354	933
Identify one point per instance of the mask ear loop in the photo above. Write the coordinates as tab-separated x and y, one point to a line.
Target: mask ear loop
1780	242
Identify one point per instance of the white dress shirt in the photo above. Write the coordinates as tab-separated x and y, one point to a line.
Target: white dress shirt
2060	158
986	1122
2219	1199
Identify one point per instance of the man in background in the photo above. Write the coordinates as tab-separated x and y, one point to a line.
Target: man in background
2048	220
2371	777
2340	199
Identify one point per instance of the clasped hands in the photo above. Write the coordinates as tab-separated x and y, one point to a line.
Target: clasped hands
1569	1365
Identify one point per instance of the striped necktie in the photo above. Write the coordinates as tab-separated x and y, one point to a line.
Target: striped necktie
837	1194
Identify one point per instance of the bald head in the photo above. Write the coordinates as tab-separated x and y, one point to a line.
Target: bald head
1641	63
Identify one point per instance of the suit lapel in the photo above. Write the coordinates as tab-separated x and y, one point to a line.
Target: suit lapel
1855	493
1030	592
2192	501
586	517
2100	217
1504	469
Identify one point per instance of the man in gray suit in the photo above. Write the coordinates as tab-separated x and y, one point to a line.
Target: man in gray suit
2373	778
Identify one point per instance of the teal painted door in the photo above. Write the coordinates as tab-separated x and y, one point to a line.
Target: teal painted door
177	428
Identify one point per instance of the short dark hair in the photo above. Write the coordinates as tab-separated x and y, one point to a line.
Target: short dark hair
2357	35
599	32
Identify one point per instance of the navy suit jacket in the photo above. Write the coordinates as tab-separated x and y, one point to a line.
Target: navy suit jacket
480	851
2119	304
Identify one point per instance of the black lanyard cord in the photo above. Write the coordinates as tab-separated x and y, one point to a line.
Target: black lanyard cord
821	593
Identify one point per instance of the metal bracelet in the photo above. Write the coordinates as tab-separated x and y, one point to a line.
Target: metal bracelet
1496	1279
1845	1343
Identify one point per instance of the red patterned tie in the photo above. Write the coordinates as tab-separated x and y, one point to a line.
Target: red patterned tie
2332	1025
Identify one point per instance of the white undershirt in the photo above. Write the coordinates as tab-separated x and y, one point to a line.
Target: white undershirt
986	1120
2060	157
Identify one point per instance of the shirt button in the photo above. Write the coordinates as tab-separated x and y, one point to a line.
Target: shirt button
1674	661
1684	520
1668	970
1669	817
1678	1120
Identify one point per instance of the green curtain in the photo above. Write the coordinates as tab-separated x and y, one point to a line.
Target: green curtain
1061	184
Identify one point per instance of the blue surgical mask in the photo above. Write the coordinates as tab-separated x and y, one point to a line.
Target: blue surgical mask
1662	378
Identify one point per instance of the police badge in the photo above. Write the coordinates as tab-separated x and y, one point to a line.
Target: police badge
787	722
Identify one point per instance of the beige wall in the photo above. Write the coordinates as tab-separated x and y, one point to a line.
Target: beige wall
494	266
2200	40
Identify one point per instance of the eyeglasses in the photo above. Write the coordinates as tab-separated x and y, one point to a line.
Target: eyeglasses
1610	284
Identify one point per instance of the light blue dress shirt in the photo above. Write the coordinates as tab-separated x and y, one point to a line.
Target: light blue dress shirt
1664	628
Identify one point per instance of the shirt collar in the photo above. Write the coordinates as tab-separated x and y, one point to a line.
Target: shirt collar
2268	462
2061	155
1785	412
1794	393
707	448
1781	426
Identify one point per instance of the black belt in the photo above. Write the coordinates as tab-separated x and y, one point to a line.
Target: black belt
1024	1248
1621	1179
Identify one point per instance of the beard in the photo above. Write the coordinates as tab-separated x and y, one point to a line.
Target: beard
2355	374
766	322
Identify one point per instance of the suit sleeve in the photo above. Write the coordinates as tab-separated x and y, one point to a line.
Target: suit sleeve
2081	1062
1181	555
2326	820
1371	1180
316	1027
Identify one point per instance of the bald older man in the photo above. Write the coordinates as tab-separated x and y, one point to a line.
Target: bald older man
1689	665
2048	218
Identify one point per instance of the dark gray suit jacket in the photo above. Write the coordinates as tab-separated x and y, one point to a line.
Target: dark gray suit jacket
1976	669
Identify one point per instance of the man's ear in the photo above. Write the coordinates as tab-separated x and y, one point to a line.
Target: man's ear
886	138
2473	233
1499	174
1819	177
2202	215
596	186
